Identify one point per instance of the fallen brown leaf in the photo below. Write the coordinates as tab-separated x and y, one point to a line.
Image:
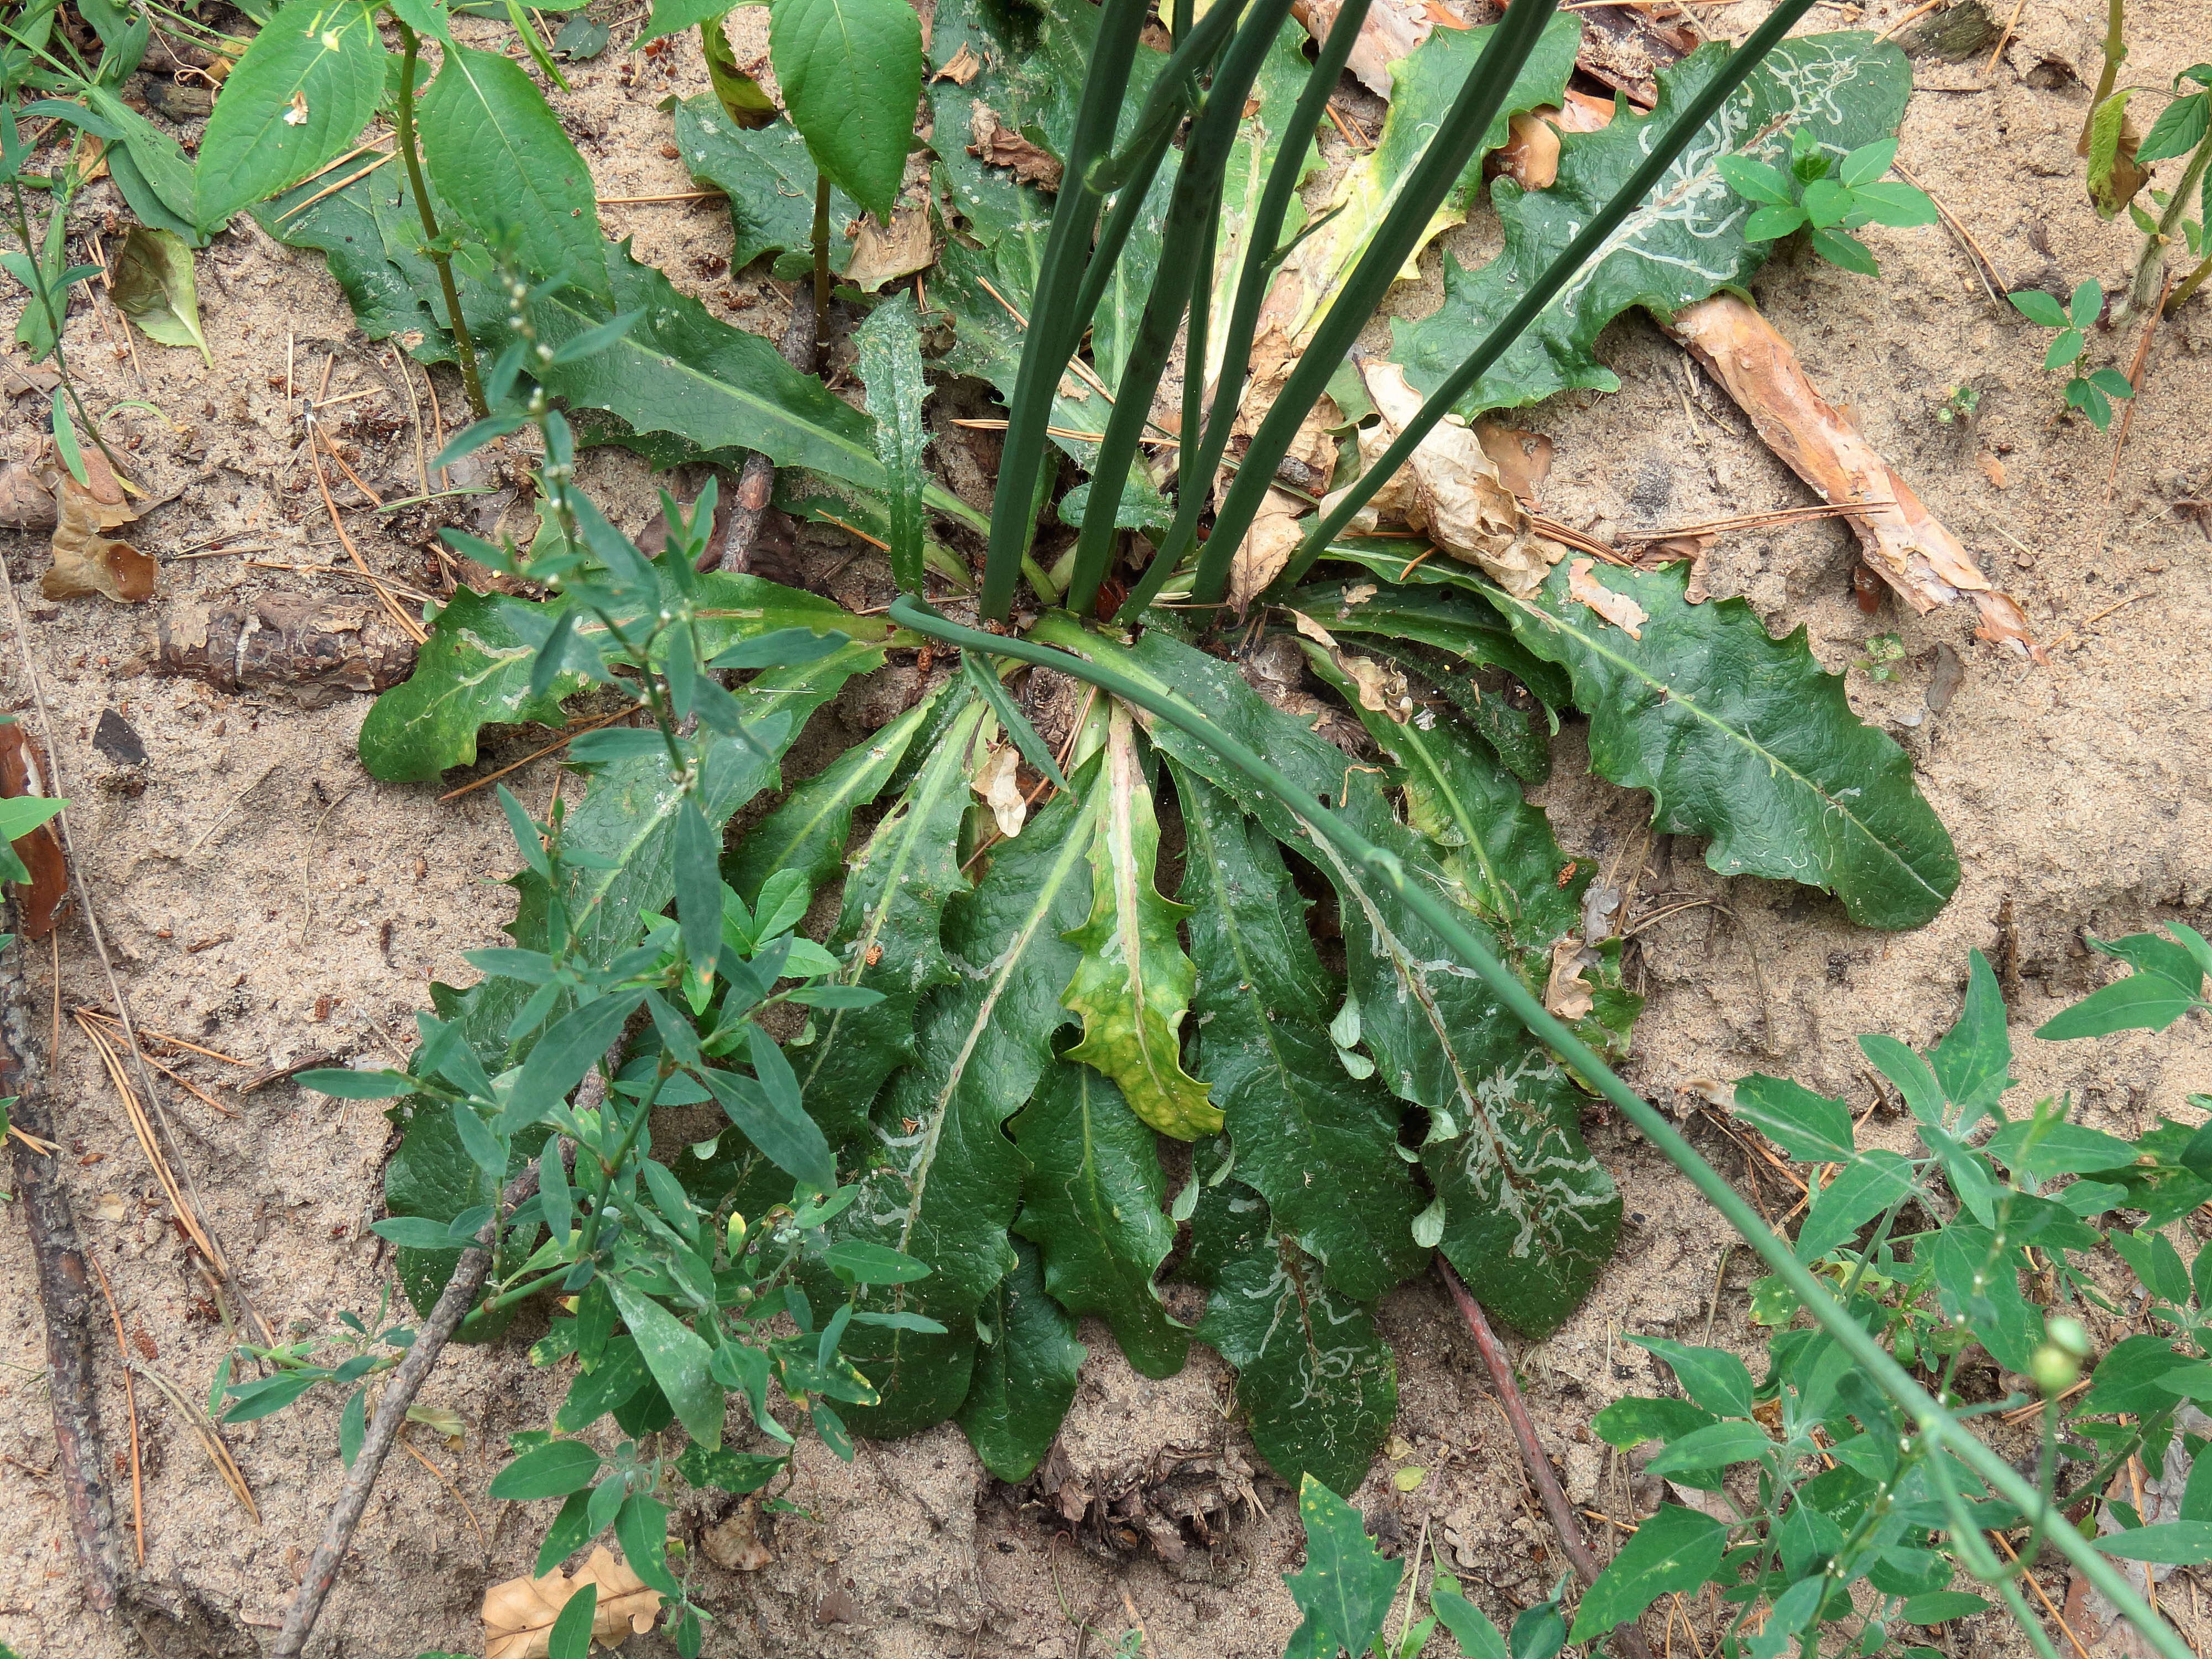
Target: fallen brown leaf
1380	688
963	67
1902	541
1624	45
86	561
519	1614
24	772
1390	30
1993	470
1618	609
997	145
995	780
1566	993
734	1541
1275	532
881	255
1531	156
1524	459
26	503
1451	489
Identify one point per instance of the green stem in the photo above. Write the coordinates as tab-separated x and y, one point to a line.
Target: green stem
1482	99
1252	278
1586	245
821	270
2116	52
1938	1426
1055	327
1193	210
588	1240
2189	284
464	347
2150	264
54	320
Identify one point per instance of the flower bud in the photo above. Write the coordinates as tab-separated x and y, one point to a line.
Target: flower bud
2054	1369
2069	1335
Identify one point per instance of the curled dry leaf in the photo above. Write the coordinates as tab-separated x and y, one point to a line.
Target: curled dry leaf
881	255
995	782
26	503
734	1542
24	772
999	145
86	561
1380	688
1618	609
1566	993
1275	532
963	67
1524	459
1902	542
519	1614
153	288
1531	157
1390	30
1450	488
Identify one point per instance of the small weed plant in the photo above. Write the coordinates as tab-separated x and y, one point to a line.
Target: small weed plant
2092	393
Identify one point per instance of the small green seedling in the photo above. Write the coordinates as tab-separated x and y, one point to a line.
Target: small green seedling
1958	409
2091	393
1884	653
1828	197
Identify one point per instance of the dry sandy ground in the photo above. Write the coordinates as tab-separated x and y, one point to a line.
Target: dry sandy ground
263	895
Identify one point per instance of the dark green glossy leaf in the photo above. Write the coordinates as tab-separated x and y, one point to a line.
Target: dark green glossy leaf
850	71
553	1470
889	345
770	179
1024	1373
1716	1379
1840	90
737	1473
948	1179
1092	1201
1318	1145
678	1357
1315	1384
807	834
889	930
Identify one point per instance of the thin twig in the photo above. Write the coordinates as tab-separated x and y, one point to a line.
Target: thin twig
210	1436
408	1445
1985	269
2136	381
130	1404
453	1306
756	479
2004	36
408	625
1629	1638
562	741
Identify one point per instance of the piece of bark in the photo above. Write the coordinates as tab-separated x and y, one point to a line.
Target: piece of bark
312	651
23	771
65	1295
26	503
1903	543
757	480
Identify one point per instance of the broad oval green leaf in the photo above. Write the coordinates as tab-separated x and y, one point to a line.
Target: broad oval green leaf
1714	1446
553	1470
850	71
677	1356
499	156
301	92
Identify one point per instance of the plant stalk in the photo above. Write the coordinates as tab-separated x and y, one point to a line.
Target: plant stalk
2116	51
1588	245
821	269
1193	210
464	347
1054	326
54	320
1932	1420
2150	264
1481	102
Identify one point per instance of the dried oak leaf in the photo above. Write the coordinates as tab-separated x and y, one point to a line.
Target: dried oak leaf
26	503
881	255
997	145
995	782
964	67
1275	532
1566	993
519	1614
86	561
1618	609
1451	489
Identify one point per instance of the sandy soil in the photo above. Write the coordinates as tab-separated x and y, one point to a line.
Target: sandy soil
261	895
